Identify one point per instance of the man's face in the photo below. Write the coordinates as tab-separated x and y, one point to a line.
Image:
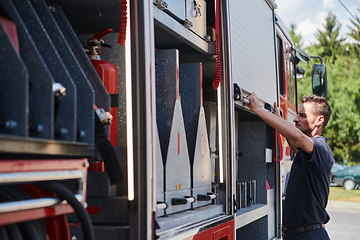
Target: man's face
306	118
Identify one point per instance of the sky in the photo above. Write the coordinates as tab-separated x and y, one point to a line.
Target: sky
309	15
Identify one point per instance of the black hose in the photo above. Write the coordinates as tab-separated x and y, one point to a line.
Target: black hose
3	234
65	194
39	224
103	145
30	230
12	230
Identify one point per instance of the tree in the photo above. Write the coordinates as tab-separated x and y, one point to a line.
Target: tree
355	35
343	130
297	38
329	39
343	71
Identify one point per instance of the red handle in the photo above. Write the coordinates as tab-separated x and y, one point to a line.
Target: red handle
101	34
274	146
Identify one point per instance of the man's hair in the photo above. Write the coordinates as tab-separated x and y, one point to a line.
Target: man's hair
321	106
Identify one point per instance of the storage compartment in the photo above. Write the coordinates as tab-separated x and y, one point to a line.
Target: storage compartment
191	14
255	176
252	140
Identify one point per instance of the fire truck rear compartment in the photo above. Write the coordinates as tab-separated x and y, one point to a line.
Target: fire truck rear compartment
189	192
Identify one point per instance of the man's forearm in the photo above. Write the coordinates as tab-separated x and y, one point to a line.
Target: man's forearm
285	128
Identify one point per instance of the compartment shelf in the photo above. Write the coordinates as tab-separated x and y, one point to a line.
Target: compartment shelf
179	36
17	145
250	214
188	218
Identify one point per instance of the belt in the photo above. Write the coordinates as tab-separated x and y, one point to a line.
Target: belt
289	232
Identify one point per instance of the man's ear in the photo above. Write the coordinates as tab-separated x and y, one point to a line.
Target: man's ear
319	121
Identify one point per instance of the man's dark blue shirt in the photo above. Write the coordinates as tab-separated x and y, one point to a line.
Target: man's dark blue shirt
308	187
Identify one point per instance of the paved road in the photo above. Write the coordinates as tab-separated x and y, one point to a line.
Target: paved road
344	221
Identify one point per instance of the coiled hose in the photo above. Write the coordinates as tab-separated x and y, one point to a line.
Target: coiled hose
30	230
123	23
217	78
64	193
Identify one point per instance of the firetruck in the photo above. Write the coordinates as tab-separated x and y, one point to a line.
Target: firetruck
127	119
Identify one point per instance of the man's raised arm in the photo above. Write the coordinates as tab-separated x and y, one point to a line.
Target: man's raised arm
295	137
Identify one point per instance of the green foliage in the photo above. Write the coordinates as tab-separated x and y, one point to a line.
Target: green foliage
354	33
295	37
329	38
343	130
355	29
343	73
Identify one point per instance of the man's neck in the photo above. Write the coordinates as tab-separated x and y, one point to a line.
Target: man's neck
316	132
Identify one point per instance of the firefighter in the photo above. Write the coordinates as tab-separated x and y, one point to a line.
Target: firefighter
307	193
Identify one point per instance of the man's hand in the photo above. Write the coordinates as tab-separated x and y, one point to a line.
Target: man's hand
276	110
254	102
